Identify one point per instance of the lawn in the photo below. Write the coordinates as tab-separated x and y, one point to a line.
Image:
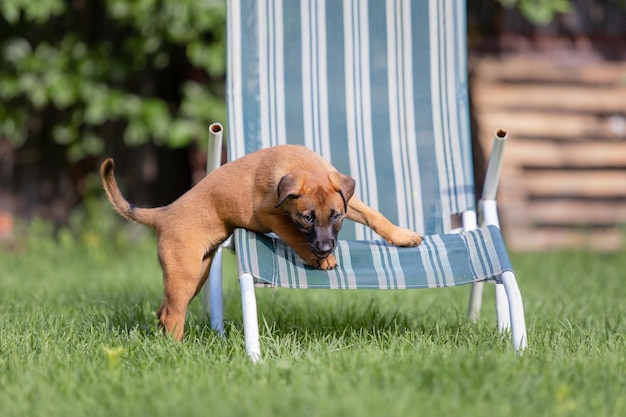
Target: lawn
78	337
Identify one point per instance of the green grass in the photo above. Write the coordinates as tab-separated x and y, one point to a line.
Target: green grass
79	337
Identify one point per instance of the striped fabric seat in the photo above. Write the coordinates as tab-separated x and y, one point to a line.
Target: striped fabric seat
440	261
379	89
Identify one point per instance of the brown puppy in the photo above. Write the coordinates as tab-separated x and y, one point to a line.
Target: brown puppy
288	190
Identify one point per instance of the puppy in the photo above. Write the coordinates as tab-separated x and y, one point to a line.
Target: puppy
286	189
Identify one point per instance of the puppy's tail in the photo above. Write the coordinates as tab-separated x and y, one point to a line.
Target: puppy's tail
128	210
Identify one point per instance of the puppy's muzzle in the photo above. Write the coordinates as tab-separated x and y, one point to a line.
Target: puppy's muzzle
325	248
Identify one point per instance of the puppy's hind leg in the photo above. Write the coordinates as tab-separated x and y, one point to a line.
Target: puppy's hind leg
183	277
205	270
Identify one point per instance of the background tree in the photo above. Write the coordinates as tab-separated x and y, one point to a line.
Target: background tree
79	79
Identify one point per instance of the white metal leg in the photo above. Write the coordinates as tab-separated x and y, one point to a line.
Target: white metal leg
212	294
518	322
476	301
502	309
216	294
250	319
489	209
470	222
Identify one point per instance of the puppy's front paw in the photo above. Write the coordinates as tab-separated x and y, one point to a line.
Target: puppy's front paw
328	263
325	264
404	237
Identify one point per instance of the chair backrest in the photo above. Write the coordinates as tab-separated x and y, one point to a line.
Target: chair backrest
378	88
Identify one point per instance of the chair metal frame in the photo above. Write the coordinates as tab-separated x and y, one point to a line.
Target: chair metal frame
509	304
447	42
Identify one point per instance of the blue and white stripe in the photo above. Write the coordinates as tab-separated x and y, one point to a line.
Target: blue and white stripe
376	87
314	77
449	121
358	105
271	73
441	261
234	81
401	114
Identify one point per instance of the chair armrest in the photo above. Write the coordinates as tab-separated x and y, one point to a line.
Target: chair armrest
494	166
214	149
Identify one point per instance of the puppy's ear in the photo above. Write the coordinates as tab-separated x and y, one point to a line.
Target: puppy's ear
289	186
344	185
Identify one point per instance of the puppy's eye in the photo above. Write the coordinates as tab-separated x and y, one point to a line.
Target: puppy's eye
308	218
335	217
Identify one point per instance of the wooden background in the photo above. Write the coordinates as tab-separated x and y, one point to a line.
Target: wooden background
563	180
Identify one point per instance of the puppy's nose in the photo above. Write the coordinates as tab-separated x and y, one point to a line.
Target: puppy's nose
326	246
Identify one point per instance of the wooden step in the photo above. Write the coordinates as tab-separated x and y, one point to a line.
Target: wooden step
563	182
533	123
596	183
568	213
592	100
526	69
553	238
588	154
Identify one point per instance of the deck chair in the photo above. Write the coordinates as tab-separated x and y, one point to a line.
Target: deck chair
379	89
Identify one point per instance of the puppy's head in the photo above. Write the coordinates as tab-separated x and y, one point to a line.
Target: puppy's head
317	204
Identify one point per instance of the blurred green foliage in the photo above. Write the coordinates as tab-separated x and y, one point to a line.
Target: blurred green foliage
539	12
93	227
152	68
